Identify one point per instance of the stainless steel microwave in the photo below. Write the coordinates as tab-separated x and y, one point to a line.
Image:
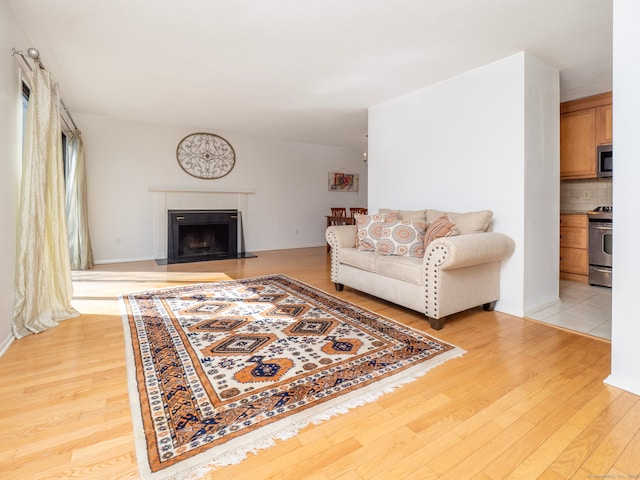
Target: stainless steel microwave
605	161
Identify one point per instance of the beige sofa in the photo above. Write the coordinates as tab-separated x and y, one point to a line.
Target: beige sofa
456	272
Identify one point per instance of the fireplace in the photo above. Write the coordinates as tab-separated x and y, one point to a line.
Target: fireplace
200	235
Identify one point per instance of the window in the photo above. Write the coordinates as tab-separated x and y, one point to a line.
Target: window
25	103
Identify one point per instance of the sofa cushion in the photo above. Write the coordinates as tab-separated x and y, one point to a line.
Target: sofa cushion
470	222
404	268
358	258
370	229
408	215
440	227
402	238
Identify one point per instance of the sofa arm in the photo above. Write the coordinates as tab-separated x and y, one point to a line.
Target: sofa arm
341	236
466	250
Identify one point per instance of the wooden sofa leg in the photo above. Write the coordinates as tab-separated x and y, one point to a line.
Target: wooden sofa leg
488	307
339	287
436	323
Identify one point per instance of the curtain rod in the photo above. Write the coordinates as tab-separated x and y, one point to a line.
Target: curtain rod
34	54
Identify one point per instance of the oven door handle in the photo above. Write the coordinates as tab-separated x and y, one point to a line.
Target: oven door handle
601	270
606	226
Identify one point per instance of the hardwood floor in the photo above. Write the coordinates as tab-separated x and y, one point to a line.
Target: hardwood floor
526	401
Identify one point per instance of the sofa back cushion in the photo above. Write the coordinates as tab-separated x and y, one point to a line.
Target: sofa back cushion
470	222
408	215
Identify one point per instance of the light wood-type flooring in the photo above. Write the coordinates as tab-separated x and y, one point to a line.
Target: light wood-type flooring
526	401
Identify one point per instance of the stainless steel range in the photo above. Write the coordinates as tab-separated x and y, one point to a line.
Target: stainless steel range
600	245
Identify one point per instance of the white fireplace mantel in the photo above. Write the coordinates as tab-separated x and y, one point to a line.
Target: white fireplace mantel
200	190
186	198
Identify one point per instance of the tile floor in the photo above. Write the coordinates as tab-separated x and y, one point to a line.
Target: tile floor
583	308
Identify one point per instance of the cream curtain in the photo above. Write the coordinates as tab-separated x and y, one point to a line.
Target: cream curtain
80	253
43	273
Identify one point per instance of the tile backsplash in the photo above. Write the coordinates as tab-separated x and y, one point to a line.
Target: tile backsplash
584	195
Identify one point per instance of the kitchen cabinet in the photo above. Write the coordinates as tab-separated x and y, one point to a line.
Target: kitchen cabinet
578	144
604	124
584	124
574	247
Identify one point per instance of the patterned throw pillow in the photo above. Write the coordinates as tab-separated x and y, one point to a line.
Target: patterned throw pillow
370	229
441	227
402	237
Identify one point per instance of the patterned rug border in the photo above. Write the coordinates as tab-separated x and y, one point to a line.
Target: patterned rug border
237	449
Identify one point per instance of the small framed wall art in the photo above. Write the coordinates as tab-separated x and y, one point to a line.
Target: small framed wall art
343	182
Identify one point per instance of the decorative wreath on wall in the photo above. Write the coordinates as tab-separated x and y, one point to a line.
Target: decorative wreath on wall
205	155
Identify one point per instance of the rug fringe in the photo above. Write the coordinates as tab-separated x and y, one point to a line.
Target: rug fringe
236	456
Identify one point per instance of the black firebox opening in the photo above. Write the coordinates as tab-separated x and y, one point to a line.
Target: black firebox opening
199	235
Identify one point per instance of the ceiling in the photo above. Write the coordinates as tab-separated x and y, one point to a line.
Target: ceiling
304	70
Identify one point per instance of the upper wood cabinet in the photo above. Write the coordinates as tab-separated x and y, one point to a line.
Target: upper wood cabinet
604	124
584	124
578	144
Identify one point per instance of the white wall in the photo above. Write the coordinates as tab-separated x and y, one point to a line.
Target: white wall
541	214
460	145
10	131
290	180
625	354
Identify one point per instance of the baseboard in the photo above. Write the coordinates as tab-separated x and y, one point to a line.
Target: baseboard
146	259
122	260
6	343
623	384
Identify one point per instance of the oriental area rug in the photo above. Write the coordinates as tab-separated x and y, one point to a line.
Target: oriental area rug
219	370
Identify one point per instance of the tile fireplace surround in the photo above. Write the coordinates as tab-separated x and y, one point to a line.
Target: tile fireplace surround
180	198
